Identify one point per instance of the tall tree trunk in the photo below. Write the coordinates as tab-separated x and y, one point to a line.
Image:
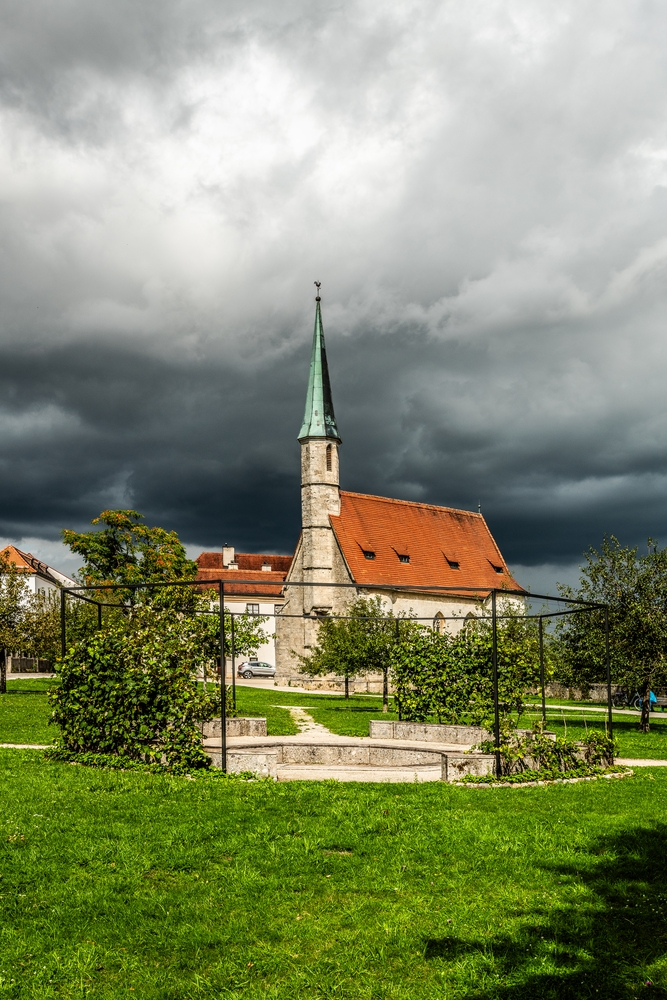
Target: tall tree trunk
347	685
3	672
385	691
644	725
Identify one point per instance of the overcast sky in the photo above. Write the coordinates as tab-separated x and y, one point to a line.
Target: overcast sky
481	188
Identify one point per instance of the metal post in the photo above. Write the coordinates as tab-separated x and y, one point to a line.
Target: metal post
223	685
63	625
233	664
608	666
544	705
398	700
99	616
496	706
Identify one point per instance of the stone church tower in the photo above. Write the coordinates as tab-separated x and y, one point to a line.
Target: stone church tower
433	563
320	483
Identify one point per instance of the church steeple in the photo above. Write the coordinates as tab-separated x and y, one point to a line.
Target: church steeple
319	420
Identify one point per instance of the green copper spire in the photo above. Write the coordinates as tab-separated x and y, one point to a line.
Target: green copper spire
319	419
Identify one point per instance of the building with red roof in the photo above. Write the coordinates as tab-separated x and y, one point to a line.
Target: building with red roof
253	584
435	563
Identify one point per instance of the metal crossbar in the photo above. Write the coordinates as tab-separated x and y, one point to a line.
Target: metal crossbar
492	593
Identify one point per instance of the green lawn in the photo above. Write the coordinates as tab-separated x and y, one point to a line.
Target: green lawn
345	716
24	714
132	885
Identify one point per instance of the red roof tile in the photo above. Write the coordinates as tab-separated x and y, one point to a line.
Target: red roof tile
431	537
249	569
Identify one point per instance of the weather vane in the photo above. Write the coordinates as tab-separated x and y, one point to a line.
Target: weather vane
318	284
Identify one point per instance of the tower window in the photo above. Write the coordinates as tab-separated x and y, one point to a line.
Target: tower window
328	458
368	554
403	559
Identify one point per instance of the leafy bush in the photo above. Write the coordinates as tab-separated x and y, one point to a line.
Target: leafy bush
131	689
450	678
538	752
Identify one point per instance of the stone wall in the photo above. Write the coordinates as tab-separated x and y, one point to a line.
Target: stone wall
212	729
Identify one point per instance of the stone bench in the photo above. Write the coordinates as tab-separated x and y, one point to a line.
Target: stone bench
212	729
266	760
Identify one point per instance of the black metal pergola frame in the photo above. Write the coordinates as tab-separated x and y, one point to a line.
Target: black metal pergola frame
482	593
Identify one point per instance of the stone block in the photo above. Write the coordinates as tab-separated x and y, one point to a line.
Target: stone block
427	732
212	729
400	757
380	730
456	765
261	762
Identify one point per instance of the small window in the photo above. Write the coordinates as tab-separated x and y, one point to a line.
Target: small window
498	569
328	458
403	559
368	554
453	564
252	609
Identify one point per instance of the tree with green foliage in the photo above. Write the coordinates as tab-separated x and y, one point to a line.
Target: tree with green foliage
449	678
28	622
125	551
14	595
356	643
634	586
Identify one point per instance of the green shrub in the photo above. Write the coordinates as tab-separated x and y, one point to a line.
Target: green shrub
540	753
131	689
449	679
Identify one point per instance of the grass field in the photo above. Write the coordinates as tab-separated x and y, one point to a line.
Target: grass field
132	885
24	714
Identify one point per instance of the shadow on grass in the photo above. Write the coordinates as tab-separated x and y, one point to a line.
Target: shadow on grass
607	945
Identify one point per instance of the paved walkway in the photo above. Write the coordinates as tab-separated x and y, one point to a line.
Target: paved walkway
25	746
305	722
591	708
632	762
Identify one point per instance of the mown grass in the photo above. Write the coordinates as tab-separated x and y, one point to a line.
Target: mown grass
125	884
24	714
25	711
344	716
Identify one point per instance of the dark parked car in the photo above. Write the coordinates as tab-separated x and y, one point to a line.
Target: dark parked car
255	668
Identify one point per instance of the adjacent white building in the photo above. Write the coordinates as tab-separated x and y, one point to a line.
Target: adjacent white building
40	578
260	593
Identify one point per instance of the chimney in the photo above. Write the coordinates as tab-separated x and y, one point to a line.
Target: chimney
227	555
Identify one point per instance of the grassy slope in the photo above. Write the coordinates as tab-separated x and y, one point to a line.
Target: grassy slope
118	885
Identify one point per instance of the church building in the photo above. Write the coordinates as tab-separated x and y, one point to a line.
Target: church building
398	549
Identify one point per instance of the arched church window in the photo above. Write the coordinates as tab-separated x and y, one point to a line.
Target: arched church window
439	623
328	458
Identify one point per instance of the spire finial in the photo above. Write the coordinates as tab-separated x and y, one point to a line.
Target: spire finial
319	420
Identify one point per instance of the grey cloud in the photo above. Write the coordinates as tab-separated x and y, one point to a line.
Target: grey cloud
480	186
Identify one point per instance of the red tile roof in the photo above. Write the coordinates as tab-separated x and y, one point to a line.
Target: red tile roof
431	537
249	568
28	563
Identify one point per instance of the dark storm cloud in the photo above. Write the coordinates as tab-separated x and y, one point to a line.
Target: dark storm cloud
482	188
